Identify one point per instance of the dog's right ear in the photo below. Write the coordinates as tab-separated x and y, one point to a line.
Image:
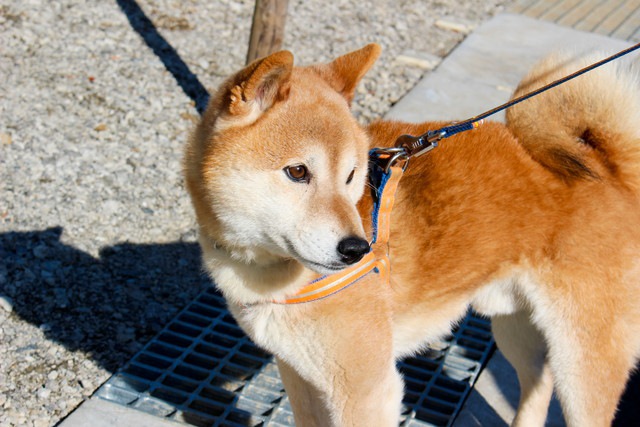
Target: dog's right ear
256	88
345	72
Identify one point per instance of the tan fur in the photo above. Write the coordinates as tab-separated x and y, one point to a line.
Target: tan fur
535	223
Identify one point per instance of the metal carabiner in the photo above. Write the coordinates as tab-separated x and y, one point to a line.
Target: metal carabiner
389	156
415	146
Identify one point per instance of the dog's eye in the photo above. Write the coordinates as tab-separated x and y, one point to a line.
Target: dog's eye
353	172
298	173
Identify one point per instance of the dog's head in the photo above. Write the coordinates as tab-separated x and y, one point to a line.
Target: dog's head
278	162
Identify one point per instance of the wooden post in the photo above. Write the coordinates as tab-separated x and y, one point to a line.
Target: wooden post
267	29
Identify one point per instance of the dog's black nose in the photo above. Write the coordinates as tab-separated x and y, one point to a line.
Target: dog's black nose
352	249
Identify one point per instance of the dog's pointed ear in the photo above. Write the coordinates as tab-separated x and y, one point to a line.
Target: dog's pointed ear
345	72
257	88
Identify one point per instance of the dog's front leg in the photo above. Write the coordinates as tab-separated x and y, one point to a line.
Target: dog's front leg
374	402
308	402
340	369
348	401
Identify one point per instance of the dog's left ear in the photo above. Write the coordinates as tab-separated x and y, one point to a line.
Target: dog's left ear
344	73
262	83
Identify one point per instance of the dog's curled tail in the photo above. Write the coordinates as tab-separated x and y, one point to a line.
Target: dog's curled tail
587	128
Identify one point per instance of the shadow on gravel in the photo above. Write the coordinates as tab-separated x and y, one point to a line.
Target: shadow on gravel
166	53
107	307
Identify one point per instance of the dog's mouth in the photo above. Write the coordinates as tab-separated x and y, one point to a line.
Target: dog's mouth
318	267
333	268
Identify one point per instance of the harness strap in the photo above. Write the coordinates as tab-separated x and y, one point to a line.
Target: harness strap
376	260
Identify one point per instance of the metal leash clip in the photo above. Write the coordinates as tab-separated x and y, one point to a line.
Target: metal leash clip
408	146
415	146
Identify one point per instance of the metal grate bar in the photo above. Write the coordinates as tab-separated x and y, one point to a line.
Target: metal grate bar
202	370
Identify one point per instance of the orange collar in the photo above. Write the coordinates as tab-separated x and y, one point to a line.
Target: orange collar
377	260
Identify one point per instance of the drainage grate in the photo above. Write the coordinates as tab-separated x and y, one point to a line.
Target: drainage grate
202	370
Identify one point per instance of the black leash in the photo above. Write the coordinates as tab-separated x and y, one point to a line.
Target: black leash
408	146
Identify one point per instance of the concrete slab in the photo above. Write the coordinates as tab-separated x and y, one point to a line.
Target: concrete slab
483	71
96	412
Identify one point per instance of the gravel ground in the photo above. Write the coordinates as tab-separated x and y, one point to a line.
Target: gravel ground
97	241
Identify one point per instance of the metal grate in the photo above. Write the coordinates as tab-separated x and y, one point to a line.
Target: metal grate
202	370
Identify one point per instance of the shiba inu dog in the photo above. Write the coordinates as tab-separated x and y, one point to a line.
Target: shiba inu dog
536	224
